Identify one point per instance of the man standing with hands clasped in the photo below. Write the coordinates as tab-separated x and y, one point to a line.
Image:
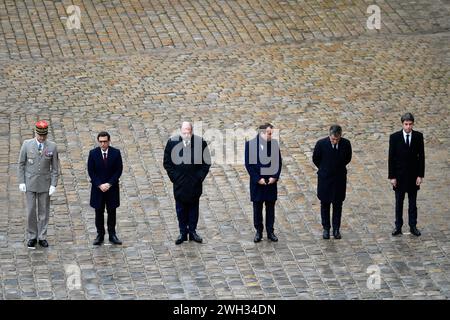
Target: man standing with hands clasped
263	163
38	177
187	161
406	168
105	168
331	156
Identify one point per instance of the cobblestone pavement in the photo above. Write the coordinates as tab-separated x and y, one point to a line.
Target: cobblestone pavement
138	68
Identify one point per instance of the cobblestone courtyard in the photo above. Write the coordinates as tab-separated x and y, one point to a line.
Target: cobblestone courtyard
138	68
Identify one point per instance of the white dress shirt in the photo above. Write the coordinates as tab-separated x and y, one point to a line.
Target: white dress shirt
404	136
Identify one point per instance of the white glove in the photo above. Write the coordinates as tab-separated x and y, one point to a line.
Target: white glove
23	187
51	190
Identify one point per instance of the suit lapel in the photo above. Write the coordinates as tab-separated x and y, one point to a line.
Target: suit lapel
44	148
180	140
34	147
100	155
330	150
111	154
401	141
412	141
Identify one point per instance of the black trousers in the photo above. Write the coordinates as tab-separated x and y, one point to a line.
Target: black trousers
412	207
187	213
100	219
258	216
325	214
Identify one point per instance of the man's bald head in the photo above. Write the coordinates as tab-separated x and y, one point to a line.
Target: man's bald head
186	130
186	124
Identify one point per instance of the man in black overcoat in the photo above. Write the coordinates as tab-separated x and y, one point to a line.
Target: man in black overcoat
331	156
263	163
105	168
406	168
187	161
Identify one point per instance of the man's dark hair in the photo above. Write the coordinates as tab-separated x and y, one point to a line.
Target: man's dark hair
335	130
103	134
265	126
407	117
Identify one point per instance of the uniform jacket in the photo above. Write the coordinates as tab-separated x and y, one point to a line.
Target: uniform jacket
38	171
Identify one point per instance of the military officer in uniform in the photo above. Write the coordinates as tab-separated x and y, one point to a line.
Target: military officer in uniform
38	177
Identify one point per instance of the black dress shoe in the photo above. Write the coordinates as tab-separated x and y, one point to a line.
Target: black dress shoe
181	238
272	237
114	240
43	243
415	231
31	244
326	234
194	236
98	241
397	231
337	234
258	237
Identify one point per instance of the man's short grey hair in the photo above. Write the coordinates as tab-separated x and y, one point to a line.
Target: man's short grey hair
335	130
407	117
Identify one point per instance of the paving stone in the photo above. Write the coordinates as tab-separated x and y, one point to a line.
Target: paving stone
138	68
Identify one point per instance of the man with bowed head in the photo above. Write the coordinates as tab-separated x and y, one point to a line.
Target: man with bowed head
263	163
331	156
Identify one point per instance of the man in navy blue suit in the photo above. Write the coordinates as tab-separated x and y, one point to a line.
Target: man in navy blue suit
331	156
263	163
105	168
406	166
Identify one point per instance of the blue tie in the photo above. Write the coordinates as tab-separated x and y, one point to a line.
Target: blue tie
40	148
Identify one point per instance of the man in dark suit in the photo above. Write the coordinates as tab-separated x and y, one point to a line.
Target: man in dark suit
263	163
331	156
187	162
406	168
105	168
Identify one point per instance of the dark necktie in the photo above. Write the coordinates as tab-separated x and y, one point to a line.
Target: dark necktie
334	146
407	140
40	148
105	158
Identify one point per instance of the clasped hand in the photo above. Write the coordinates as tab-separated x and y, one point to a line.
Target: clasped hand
263	182
104	187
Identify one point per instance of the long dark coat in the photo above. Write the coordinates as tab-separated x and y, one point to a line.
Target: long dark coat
332	173
257	161
187	167
406	163
99	174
